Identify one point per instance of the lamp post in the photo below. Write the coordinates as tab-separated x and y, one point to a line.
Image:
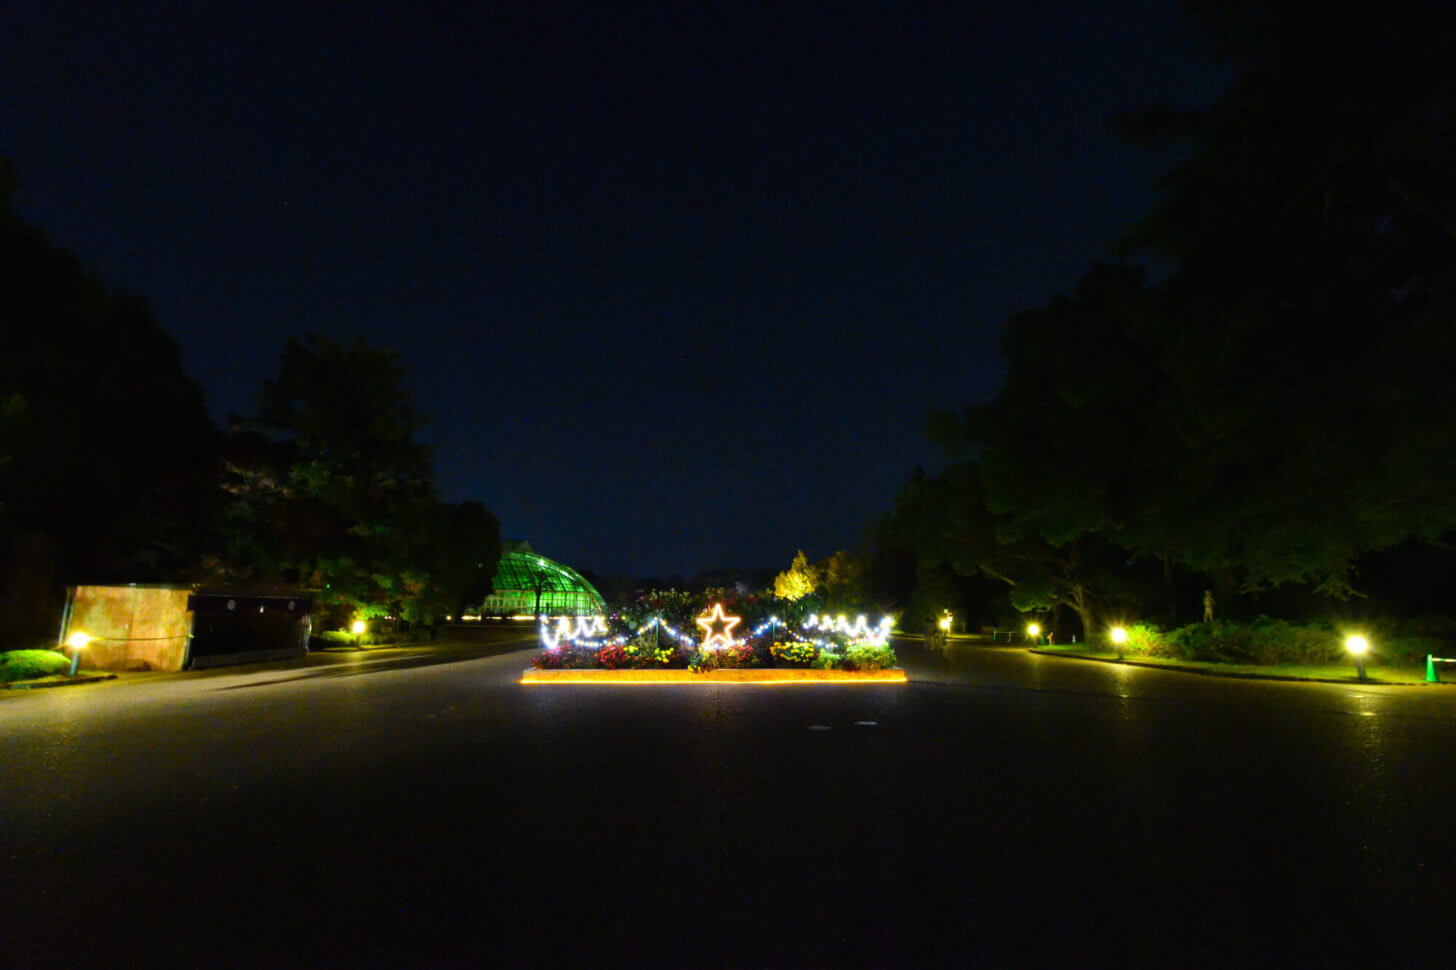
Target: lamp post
1033	630
77	642
358	630
1119	637
1358	647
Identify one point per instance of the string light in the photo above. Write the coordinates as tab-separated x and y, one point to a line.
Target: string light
587	631
860	629
757	631
591	632
668	628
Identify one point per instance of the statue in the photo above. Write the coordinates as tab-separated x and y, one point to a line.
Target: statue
1208	606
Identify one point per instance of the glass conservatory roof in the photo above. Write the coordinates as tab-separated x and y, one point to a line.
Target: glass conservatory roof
522	569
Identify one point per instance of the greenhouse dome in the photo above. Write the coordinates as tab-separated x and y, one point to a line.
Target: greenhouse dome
523	575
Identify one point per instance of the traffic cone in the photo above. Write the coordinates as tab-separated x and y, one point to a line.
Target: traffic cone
1431	677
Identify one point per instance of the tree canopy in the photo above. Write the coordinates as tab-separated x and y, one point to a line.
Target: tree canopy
1271	402
106	448
329	489
799	580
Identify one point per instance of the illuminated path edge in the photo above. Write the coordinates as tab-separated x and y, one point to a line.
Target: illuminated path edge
796	675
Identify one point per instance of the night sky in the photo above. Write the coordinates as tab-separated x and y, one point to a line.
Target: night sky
677	289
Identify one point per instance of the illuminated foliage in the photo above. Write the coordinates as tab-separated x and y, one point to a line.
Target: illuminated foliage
800	580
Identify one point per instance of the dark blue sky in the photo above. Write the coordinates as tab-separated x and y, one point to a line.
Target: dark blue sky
677	289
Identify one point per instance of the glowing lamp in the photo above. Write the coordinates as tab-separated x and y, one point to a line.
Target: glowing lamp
77	642
359	627
1119	637
1358	647
1033	630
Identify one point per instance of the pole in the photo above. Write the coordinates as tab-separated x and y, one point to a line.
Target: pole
66	617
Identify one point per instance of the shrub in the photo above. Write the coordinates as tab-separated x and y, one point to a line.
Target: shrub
1264	641
1147	640
28	664
565	657
660	651
795	654
1410	648
827	660
738	655
869	657
703	661
617	656
1410	640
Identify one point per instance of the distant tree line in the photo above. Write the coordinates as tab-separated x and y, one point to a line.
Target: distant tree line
112	471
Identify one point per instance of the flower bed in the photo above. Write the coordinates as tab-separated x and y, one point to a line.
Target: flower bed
645	644
743	675
854	657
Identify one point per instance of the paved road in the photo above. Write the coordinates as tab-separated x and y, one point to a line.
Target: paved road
421	809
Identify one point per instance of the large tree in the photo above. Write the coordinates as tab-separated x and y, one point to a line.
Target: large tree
1277	402
1305	327
330	489
108	448
948	520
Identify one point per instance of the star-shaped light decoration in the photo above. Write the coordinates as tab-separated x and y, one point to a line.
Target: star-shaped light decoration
710	624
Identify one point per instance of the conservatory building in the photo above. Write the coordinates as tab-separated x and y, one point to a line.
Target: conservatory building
528	584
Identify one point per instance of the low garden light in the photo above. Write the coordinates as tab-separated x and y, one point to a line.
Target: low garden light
1119	637
1033	630
1358	647
77	642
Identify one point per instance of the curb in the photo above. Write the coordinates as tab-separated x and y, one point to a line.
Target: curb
1237	675
735	675
78	679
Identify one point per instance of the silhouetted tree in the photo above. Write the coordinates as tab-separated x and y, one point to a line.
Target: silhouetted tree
1304	329
329	489
108	449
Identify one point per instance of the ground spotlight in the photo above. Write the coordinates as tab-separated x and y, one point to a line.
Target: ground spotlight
77	642
1358	647
1119	637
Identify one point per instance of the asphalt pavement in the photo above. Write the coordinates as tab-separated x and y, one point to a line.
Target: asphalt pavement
419	808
